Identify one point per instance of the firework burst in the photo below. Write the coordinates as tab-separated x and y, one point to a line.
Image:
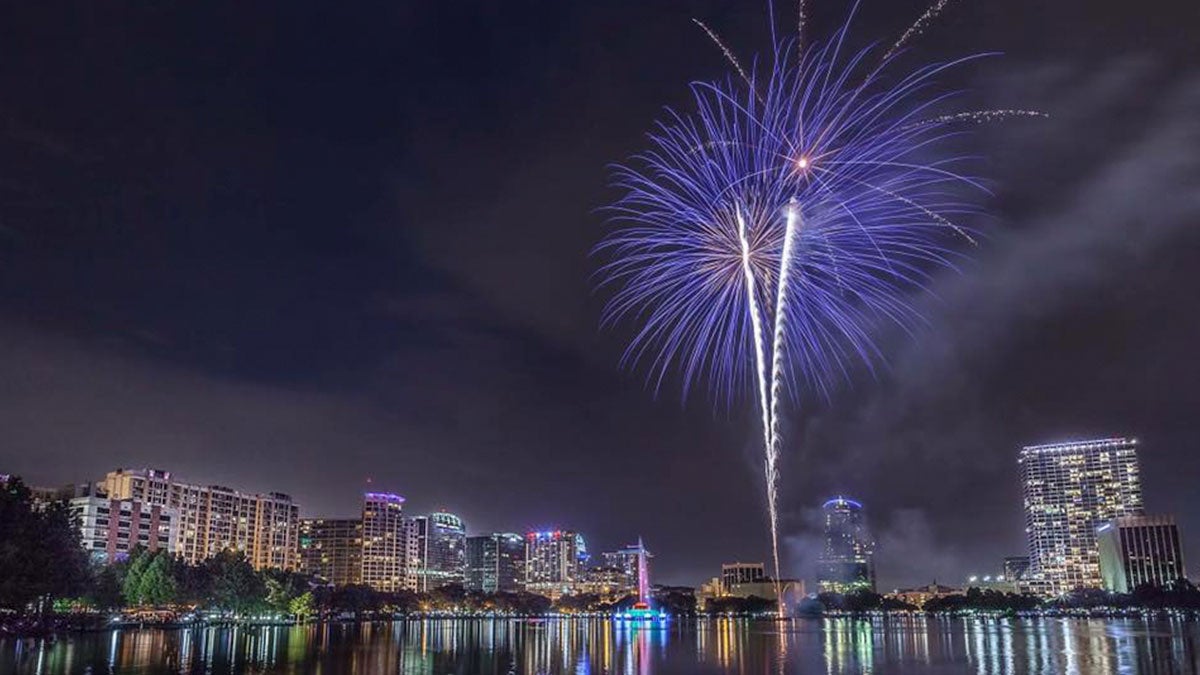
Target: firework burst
765	236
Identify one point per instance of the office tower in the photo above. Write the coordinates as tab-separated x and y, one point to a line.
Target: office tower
331	549
440	550
1016	568
495	563
446	560
111	528
1137	550
847	563
214	518
385	546
554	561
416	530
626	563
1071	489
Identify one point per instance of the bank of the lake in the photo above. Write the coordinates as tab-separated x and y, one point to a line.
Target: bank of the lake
492	646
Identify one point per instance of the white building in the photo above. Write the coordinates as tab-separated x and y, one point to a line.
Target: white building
1070	490
386	546
213	518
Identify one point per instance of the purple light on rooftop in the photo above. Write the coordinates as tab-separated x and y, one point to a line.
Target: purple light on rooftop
385	497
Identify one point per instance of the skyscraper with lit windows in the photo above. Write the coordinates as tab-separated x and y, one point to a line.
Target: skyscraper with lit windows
440	550
331	549
212	518
554	561
847	562
385	544
495	563
1070	490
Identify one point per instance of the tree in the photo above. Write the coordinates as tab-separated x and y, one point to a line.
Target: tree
131	587
448	597
194	583
862	600
355	598
234	584
736	605
675	599
301	606
157	584
403	601
41	552
105	590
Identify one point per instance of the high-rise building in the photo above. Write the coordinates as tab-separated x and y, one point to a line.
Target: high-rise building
385	544
1071	489
734	574
214	518
554	561
416	531
847	562
1016	568
627	562
1137	550
331	549
495	563
441	550
112	528
446	560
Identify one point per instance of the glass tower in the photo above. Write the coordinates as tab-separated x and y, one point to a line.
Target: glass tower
847	563
442	550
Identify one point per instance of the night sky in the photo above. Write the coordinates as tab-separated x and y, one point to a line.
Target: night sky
299	246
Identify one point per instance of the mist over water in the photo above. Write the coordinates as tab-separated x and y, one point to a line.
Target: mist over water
585	646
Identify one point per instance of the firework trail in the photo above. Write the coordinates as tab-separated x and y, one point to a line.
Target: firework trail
773	442
756	327
978	116
816	195
712	35
918	27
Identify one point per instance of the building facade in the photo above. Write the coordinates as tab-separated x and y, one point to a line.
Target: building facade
1070	490
555	562
112	528
385	544
495	563
212	519
440	550
1137	550
919	595
847	561
331	549
749	580
627	563
733	574
1016	568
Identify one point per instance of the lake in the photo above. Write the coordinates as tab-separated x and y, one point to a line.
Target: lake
595	646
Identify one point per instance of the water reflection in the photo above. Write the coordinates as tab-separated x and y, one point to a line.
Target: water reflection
584	647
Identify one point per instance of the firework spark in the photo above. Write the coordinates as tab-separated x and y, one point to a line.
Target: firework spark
815	195
979	116
712	35
917	28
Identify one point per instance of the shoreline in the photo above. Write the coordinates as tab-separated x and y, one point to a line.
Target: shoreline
53	627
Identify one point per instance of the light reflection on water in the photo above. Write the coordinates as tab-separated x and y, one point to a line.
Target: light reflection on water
586	647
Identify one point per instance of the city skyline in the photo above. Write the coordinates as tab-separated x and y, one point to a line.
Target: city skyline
1093	484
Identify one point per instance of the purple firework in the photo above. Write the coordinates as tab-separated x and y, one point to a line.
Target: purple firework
764	237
